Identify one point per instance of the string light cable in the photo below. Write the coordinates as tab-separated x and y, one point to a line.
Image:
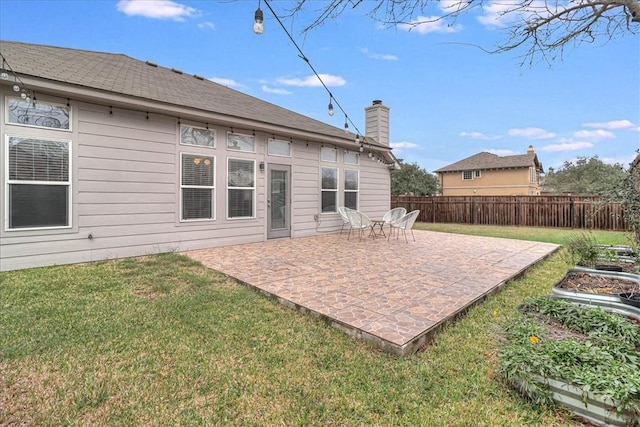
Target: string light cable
6	72
332	99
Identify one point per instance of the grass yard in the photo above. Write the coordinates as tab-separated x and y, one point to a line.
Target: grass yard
161	340
539	234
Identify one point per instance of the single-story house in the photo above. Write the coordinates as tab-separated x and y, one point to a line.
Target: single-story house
105	156
487	174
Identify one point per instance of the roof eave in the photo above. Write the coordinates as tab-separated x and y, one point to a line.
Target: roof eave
102	97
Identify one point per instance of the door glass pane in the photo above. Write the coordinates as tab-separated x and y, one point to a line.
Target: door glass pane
278	199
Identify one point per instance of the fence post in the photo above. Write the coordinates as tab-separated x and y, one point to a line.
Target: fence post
473	210
571	222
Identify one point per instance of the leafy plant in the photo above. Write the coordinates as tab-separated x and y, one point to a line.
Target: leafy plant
582	249
628	192
604	362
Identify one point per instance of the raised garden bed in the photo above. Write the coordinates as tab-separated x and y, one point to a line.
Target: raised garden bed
584	359
616	258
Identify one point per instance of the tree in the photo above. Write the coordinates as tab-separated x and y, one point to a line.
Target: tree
412	179
588	177
629	195
541	27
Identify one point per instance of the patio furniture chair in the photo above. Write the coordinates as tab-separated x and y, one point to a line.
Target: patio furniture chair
342	210
393	215
360	222
405	223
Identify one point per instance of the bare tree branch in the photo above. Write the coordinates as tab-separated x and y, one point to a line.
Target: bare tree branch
542	28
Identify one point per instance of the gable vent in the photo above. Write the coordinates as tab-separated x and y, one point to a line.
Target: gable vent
175	70
153	64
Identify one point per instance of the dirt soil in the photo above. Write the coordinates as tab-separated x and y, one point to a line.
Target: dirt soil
627	267
587	283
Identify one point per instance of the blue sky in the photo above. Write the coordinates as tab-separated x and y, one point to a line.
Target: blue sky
448	99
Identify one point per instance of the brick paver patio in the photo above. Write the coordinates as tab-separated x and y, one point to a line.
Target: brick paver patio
392	293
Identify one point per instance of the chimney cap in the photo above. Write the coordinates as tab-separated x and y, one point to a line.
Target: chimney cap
377	102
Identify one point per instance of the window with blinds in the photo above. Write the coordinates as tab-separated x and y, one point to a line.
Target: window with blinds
241	186
38	183
329	186
197	186
351	187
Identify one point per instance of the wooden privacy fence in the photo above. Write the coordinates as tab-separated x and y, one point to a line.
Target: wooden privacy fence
533	211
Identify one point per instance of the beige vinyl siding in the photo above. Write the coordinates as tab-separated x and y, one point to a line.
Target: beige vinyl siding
305	189
126	193
375	188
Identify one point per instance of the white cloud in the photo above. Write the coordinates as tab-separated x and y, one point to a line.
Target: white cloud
480	135
313	81
381	56
277	91
207	25
226	82
501	14
156	9
567	144
430	24
452	6
594	134
613	124
403	145
532	133
501	152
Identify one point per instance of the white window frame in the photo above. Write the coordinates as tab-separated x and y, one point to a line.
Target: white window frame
271	141
231	135
533	176
325	150
36	105
211	187
470	175
476	174
186	144
253	189
351	153
334	190
357	190
67	183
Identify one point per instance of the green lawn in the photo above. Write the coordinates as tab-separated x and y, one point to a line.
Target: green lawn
550	235
161	340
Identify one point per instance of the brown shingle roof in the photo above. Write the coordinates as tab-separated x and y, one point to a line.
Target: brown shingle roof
120	74
485	160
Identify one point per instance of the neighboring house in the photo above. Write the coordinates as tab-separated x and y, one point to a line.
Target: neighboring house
486	174
118	157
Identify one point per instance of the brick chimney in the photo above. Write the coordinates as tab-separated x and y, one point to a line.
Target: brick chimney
377	122
530	150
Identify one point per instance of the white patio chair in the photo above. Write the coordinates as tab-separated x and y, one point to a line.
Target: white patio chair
393	215
360	222
405	223
342	210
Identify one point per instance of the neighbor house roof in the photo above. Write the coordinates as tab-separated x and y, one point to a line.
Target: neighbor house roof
123	75
485	160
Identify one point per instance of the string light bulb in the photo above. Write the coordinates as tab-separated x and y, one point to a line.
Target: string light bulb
4	73
258	25
346	125
330	105
16	87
